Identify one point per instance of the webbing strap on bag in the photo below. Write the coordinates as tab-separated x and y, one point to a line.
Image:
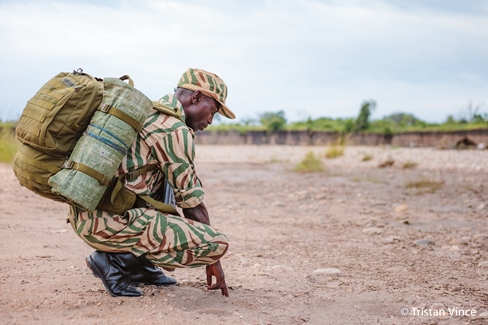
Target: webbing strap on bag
36	163
160	206
70	164
109	109
118	186
130	176
167	110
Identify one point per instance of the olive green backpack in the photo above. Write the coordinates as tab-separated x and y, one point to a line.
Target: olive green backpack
50	126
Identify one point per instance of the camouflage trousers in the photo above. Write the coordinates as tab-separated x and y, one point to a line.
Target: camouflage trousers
166	240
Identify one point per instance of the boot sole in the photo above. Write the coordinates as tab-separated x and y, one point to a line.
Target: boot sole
138	284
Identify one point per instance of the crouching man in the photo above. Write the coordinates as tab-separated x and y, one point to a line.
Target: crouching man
132	246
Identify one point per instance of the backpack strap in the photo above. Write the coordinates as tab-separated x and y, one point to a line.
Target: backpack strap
130	176
160	206
175	112
104	180
127	77
109	109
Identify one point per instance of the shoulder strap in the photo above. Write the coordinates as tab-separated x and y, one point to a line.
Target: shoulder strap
167	110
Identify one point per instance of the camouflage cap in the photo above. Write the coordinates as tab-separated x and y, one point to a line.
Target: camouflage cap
209	84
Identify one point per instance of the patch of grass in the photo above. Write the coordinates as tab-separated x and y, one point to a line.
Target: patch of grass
409	165
275	159
369	179
425	185
8	146
311	163
387	163
367	157
336	149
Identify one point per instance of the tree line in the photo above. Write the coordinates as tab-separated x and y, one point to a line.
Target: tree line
471	118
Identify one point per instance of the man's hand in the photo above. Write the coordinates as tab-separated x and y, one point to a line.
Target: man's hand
216	270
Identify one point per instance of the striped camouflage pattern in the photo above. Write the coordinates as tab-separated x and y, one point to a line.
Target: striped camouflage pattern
210	85
168	142
167	240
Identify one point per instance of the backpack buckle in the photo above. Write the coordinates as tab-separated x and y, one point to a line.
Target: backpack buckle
69	164
130	176
104	108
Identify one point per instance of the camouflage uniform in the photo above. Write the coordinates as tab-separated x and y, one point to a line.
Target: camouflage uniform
167	241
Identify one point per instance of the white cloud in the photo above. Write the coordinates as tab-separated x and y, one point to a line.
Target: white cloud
311	57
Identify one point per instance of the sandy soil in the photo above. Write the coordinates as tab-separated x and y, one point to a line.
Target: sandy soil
351	245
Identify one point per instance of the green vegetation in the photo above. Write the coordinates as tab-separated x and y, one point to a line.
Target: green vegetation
409	165
311	163
362	121
367	157
271	122
8	143
425	185
336	149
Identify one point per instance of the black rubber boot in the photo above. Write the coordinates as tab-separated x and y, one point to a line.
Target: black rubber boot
152	275
147	273
115	272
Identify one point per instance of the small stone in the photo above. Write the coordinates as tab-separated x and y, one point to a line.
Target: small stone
278	204
278	269
327	272
480	207
459	242
323	220
391	240
424	242
245	262
483	314
401	208
483	264
372	230
454	248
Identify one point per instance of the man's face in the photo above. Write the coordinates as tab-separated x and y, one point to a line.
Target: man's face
200	113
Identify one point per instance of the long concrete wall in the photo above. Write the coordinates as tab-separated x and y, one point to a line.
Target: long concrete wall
405	139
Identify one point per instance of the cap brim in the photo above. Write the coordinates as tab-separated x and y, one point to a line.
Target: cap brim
225	111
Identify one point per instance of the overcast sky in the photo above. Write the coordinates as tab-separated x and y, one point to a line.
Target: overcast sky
310	58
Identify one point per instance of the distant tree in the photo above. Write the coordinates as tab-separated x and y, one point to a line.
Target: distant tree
479	118
348	126
450	120
403	119
273	121
471	113
247	121
362	121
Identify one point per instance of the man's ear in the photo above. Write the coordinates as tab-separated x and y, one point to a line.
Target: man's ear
196	97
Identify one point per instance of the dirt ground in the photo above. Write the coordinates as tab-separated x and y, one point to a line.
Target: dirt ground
355	244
